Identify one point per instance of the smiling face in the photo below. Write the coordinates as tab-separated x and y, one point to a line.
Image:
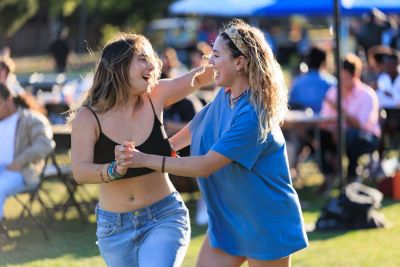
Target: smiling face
223	63
141	72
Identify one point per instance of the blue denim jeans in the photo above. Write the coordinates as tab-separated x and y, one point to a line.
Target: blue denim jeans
157	235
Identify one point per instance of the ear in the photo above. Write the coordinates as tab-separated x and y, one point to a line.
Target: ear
240	63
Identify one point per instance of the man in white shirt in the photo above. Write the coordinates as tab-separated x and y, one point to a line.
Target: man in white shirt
389	83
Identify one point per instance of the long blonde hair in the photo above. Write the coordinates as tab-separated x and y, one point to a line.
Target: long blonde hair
268	93
111	84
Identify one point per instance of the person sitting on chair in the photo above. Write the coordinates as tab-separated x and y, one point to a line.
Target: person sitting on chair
25	141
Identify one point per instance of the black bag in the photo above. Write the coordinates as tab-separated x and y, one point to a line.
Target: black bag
355	208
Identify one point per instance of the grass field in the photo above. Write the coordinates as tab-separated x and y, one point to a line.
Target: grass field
72	242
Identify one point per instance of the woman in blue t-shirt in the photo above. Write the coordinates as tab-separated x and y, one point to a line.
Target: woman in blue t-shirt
239	157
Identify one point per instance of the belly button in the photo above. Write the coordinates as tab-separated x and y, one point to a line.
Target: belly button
132	198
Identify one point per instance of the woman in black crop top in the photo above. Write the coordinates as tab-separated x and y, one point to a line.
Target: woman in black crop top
140	212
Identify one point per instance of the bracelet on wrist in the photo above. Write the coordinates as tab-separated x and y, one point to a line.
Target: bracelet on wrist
163	164
104	179
112	171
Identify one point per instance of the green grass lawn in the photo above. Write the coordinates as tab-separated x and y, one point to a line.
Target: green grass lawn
72	242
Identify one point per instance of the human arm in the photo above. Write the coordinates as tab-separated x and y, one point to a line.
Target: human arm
239	144
170	91
181	139
83	138
195	166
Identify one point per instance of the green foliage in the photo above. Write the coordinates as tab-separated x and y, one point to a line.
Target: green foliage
120	13
108	31
15	13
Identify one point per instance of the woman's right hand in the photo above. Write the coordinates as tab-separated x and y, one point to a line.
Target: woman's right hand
128	157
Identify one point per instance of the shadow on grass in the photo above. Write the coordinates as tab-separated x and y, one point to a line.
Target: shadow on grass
70	238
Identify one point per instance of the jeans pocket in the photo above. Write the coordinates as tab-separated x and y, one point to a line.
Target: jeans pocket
105	228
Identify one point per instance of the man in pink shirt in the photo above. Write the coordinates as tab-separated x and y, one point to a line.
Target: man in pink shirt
361	112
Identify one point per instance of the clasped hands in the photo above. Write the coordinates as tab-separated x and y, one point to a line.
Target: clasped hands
126	156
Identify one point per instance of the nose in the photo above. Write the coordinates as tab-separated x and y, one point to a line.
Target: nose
211	60
150	65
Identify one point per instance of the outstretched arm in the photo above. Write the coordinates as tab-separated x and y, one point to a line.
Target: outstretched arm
195	166
170	91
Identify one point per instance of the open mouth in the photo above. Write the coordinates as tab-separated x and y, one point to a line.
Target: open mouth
146	77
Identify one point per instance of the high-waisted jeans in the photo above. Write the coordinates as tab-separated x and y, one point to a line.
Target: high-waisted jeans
157	235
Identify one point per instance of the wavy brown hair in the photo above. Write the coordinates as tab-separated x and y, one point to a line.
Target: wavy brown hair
269	95
111	85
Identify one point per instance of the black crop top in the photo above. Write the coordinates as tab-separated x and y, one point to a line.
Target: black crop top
157	143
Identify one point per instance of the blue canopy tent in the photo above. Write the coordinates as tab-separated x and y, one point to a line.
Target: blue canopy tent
324	8
221	8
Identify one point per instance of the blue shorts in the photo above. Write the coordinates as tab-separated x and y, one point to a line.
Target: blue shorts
157	235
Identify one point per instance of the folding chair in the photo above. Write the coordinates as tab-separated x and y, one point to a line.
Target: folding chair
64	175
27	207
33	192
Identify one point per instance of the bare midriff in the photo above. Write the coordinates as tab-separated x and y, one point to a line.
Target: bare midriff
134	193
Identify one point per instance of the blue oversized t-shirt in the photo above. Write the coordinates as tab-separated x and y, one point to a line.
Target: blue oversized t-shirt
253	208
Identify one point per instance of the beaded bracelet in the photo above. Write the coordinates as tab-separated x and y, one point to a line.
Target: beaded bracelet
112	171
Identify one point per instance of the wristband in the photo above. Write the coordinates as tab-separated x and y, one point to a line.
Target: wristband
112	171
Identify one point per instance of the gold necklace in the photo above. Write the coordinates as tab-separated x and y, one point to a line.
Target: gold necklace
234	100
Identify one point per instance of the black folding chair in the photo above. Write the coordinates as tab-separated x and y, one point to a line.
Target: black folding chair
64	175
33	197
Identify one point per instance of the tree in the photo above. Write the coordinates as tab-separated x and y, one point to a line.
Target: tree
15	13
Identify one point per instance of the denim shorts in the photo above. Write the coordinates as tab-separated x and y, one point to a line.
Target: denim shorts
157	235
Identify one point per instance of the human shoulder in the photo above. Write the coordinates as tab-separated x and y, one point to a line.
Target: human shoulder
247	114
84	119
371	93
383	77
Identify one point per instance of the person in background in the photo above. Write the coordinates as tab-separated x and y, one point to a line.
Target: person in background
309	89
239	157
374	65
389	82
374	24
25	141
7	68
139	211
172	66
389	98
307	93
59	50
361	112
